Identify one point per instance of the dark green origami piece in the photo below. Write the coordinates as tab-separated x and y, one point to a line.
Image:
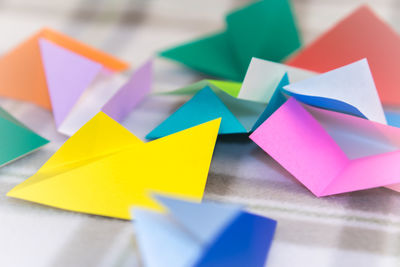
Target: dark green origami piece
16	140
265	29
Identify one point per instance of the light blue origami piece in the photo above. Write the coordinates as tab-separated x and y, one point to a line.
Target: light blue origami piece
238	116
206	234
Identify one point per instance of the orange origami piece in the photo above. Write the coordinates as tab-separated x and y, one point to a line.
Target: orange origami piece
22	74
360	35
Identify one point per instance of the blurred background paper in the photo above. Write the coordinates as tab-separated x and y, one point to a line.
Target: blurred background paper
356	229
206	234
264	29
119	169
79	80
349	41
330	152
16	140
349	89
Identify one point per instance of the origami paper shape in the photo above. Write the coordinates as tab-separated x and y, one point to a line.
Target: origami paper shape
330	152
348	41
263	76
55	71
104	169
206	234
107	94
265	29
237	115
21	70
392	117
229	87
16	140
349	89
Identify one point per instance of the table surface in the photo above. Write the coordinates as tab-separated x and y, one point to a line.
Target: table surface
357	228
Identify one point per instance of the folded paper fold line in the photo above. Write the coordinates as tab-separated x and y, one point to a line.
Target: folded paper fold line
349	89
21	69
202	234
265	29
348	41
329	152
203	107
103	169
16	140
238	116
75	80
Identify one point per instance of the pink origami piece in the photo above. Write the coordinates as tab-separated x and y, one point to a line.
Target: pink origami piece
329	152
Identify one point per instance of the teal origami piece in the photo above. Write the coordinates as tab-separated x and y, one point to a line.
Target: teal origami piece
203	107
278	99
238	116
16	140
264	29
206	234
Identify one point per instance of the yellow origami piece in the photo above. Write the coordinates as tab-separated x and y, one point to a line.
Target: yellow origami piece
104	169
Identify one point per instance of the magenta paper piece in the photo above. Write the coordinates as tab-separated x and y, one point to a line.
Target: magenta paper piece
329	152
68	75
131	94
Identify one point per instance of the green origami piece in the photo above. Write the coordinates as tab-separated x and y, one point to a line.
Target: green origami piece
16	140
265	29
231	88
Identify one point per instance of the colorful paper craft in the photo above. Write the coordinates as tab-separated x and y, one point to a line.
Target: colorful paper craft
206	234
237	115
229	87
349	41
108	94
265	29
16	139
104	169
331	152
21	70
263	76
55	71
349	89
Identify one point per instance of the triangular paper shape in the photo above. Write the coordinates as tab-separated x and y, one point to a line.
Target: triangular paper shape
211	55
349	89
263	77
237	238
277	100
80	80
264	29
153	231
203	107
348	41
68	75
331	152
16	140
21	70
238	115
204	220
229	87
104	170
109	93
253	233
131	93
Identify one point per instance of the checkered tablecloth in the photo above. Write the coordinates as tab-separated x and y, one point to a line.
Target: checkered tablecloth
357	229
